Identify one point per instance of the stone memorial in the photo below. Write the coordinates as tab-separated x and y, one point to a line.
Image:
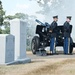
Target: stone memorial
6	48
18	29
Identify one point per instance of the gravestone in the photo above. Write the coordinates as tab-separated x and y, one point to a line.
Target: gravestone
6	48
18	29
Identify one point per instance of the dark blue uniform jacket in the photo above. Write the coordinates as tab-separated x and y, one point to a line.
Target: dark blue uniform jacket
66	29
53	28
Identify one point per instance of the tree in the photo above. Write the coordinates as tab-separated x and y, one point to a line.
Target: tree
6	24
49	8
0	31
21	16
2	13
7	27
9	17
17	15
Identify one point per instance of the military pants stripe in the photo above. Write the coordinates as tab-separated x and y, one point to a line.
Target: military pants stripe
66	45
52	45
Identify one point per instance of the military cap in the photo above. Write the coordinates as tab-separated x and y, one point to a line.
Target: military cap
55	16
69	17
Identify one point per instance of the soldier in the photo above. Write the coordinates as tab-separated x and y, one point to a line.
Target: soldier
52	31
67	35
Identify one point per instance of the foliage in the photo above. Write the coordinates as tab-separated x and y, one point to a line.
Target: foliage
21	16
17	15
2	13
0	31
6	31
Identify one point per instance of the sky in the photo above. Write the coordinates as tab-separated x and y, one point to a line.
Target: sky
30	7
21	6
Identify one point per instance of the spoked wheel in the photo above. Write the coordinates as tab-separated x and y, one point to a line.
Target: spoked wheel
35	44
71	49
33	47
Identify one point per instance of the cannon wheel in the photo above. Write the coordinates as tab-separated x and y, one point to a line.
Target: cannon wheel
71	49
35	44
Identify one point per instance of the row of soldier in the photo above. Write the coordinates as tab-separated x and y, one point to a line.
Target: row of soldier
52	30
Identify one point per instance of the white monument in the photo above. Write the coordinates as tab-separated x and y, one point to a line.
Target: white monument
6	48
18	29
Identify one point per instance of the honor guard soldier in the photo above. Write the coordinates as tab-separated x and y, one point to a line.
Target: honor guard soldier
52	31
67	35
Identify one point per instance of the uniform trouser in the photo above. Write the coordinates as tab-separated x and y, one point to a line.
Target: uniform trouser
52	45
66	45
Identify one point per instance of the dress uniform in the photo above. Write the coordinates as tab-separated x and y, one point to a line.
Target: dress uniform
53	35
67	36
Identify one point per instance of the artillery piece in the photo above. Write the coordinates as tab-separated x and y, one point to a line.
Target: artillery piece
39	43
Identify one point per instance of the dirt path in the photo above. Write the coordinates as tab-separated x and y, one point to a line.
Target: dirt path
55	66
65	67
